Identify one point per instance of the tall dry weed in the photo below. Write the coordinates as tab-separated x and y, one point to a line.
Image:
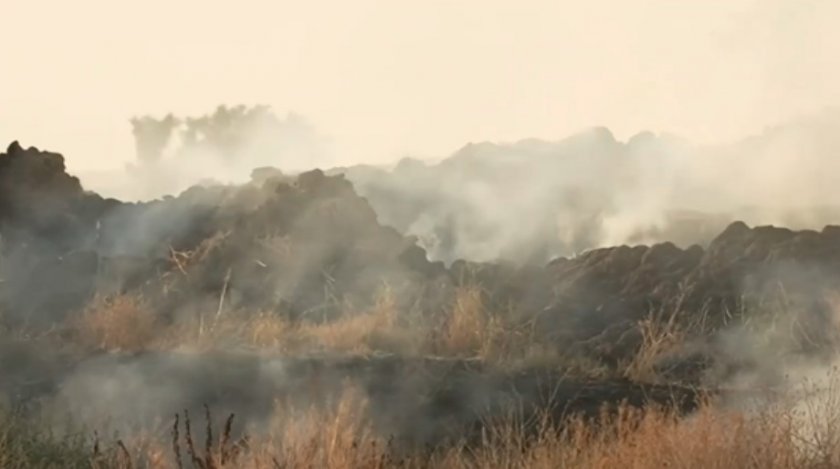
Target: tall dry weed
467	328
360	332
121	322
662	332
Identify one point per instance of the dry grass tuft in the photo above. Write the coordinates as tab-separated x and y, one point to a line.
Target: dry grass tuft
270	331
338	435
663	332
120	322
659	336
359	332
467	328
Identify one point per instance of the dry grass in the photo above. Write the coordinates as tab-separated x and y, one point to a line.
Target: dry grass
466	326
354	332
466	329
117	323
268	331
340	437
337	436
359	332
469	328
659	336
663	332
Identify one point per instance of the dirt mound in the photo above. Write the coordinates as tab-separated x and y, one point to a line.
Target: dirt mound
47	222
601	296
302	246
39	201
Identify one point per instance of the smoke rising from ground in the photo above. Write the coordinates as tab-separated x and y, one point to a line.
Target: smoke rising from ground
531	200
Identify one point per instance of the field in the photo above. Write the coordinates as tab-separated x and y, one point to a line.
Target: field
796	429
278	323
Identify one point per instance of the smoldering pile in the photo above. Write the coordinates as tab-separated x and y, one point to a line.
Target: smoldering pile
309	248
534	199
281	241
531	200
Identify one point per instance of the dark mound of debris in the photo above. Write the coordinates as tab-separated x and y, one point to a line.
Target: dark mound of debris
532	200
787	277
305	247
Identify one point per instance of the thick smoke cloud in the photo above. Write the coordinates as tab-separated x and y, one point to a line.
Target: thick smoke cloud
531	200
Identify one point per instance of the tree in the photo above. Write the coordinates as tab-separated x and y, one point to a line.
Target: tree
151	136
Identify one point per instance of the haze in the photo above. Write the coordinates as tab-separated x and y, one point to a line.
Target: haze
386	79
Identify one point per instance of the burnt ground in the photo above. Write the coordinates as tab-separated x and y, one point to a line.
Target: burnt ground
416	402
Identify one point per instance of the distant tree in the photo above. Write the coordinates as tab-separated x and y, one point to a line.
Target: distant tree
237	135
228	129
151	136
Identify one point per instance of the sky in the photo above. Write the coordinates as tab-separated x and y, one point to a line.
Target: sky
385	79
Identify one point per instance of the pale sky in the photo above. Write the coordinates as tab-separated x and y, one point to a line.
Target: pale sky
387	78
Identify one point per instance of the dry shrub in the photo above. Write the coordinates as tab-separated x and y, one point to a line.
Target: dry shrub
261	330
121	322
183	261
662	332
360	332
658	338
467	328
270	331
356	332
336	435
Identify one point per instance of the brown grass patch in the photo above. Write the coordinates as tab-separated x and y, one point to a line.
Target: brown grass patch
120	322
359	332
364	331
470	328
466	329
339	436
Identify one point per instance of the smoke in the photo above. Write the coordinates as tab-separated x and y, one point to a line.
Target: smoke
309	247
777	356
224	146
528	201
533	200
